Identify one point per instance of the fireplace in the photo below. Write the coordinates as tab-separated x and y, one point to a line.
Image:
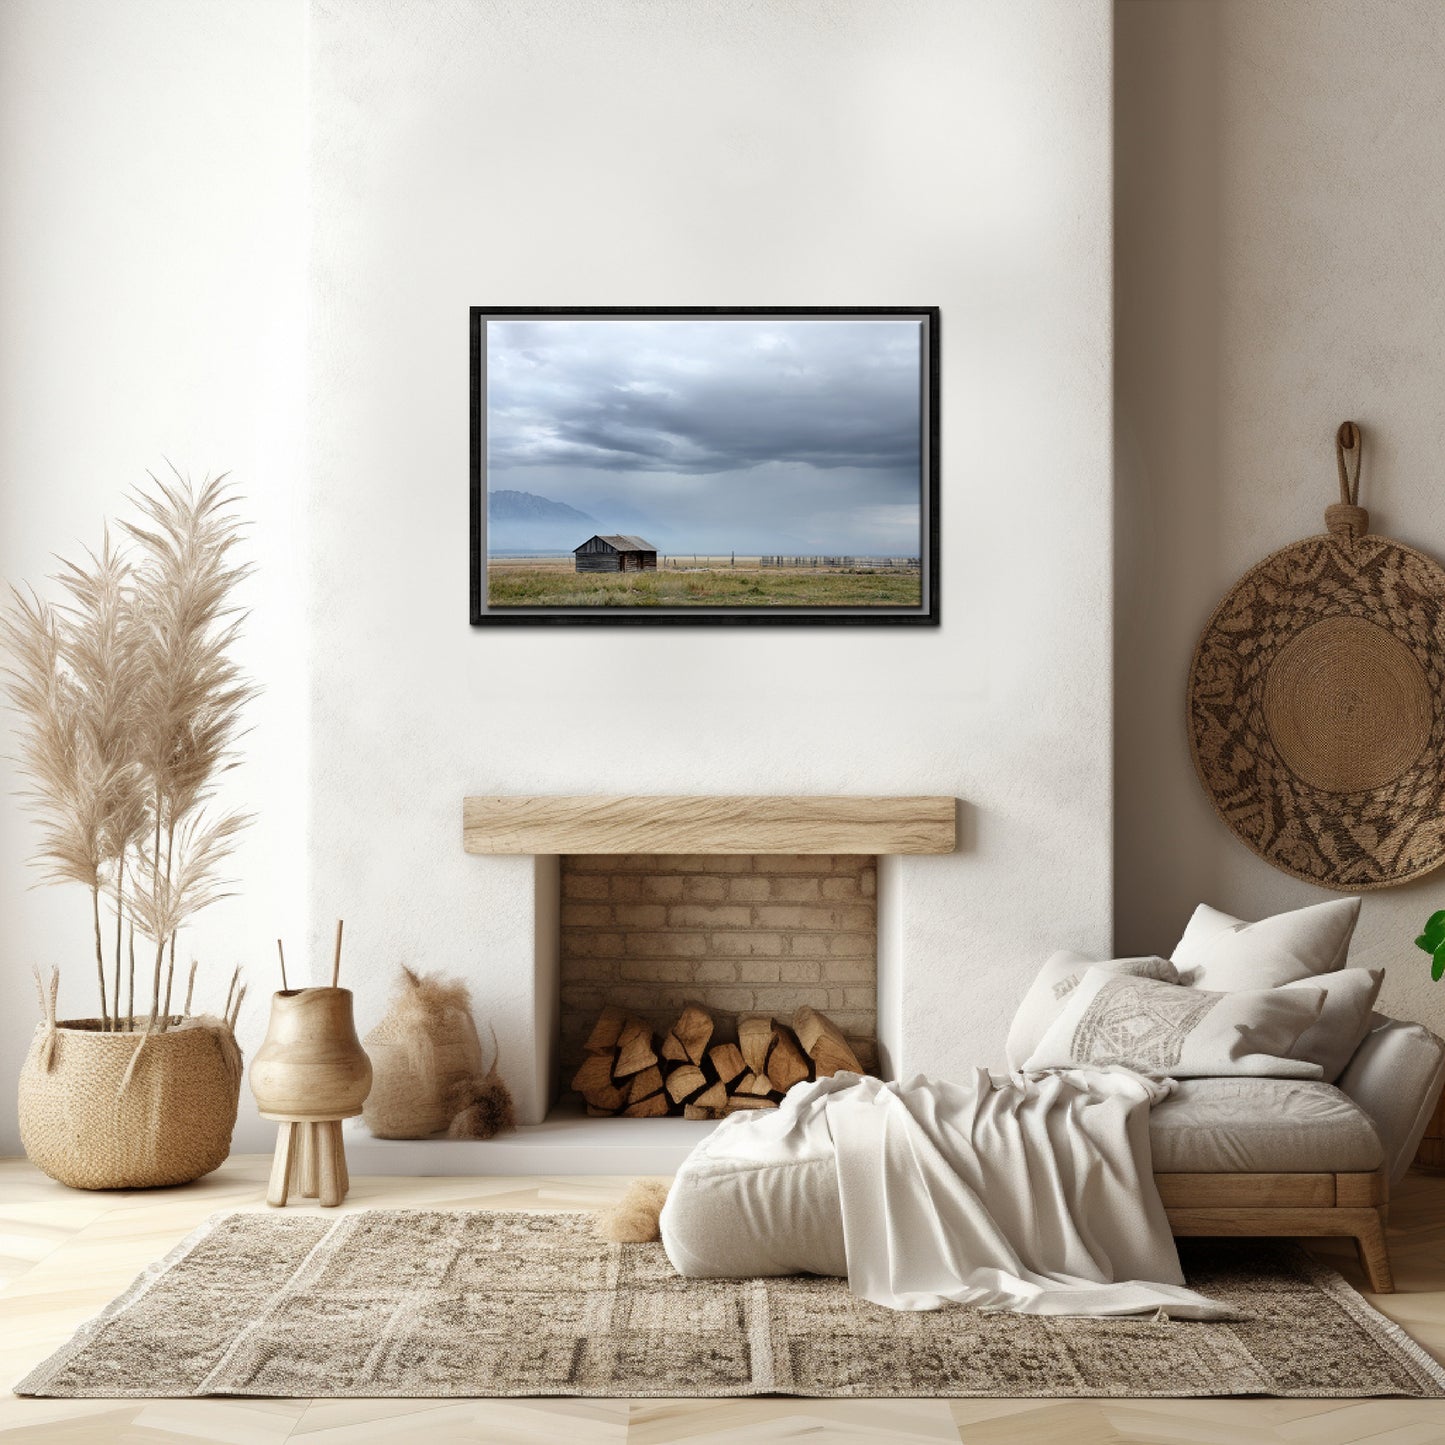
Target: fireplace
749	903
788	843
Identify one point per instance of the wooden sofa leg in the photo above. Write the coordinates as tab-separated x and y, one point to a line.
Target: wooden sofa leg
1375	1256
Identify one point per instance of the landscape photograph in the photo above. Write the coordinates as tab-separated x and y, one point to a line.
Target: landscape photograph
742	463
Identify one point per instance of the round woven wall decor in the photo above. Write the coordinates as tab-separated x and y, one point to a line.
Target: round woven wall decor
1317	702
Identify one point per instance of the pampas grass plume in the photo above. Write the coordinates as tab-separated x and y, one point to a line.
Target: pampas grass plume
634	1218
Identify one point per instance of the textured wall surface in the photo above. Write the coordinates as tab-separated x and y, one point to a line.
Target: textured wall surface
153	296
824	152
1281	199
157	301
740	934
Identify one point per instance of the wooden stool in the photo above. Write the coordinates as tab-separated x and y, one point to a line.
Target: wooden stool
310	1161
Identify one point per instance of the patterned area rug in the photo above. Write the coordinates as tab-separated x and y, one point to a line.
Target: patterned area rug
437	1303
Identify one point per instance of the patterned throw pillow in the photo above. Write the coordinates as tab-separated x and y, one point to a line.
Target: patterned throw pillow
1057	979
1187	1033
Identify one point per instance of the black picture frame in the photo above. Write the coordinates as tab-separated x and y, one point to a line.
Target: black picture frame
927	614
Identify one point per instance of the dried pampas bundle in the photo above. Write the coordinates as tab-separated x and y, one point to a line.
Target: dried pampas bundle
634	1218
428	1071
484	1106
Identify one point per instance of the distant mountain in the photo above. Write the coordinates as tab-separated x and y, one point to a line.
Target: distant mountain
525	522
528	507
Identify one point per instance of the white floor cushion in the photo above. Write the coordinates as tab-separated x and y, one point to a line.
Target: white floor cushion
757	1201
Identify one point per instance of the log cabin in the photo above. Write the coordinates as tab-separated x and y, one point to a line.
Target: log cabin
616	553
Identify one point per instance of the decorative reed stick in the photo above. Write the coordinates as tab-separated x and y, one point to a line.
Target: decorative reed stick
191	986
336	962
130	987
285	987
170	976
231	991
235	1013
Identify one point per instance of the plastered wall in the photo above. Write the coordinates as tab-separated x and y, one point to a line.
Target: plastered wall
814	153
1280	204
153	308
246	236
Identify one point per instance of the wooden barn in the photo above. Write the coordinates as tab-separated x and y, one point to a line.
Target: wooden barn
616	553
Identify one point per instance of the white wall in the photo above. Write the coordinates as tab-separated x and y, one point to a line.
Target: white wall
711	152
1281	198
152	299
154	293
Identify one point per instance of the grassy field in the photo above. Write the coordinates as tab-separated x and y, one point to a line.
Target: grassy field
555	582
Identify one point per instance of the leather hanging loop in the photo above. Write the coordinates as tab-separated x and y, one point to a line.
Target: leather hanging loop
1346	517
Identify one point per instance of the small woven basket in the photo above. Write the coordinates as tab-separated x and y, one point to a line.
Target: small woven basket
422	1053
92	1121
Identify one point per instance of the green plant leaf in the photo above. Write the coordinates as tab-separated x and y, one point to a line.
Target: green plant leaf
1433	934
1438	967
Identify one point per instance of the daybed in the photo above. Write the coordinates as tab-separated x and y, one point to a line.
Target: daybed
1300	1158
1243	1149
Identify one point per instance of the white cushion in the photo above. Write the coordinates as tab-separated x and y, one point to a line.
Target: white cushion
1261	1126
1163	1029
757	1200
1344	1019
1224	953
1395	1077
1050	991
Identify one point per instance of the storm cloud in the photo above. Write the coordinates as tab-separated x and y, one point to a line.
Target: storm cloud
756	433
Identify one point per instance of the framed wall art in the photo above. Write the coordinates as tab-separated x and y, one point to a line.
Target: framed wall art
708	465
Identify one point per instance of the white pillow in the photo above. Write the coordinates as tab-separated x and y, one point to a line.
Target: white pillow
1344	1020
1224	953
1050	991
1185	1033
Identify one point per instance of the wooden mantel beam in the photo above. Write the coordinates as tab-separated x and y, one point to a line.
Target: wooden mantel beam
672	824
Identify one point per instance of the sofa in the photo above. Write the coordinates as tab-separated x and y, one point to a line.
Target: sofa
1294	1109
1266	1156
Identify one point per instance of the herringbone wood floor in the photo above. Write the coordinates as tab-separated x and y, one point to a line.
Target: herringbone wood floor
64	1254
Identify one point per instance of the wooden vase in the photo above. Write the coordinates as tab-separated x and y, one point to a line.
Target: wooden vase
310	1074
311	1065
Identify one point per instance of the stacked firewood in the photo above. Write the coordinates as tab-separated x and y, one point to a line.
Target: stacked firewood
630	1070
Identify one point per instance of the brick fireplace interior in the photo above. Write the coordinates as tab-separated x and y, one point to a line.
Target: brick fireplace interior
737	933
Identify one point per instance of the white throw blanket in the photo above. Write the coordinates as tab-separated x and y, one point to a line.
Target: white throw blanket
1034	1194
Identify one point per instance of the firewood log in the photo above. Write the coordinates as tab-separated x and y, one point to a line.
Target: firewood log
652	1107
594	1082
595	1073
634	1049
673	1050
605	1031
727	1059
755	1084
693	1029
697	1111
684	1081
787	1063
714	1098
824	1043
755	1038
648	1082
739	1102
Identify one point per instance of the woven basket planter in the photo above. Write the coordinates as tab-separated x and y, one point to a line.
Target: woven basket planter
86	1124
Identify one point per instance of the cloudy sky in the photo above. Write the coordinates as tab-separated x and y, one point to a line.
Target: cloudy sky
756	434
